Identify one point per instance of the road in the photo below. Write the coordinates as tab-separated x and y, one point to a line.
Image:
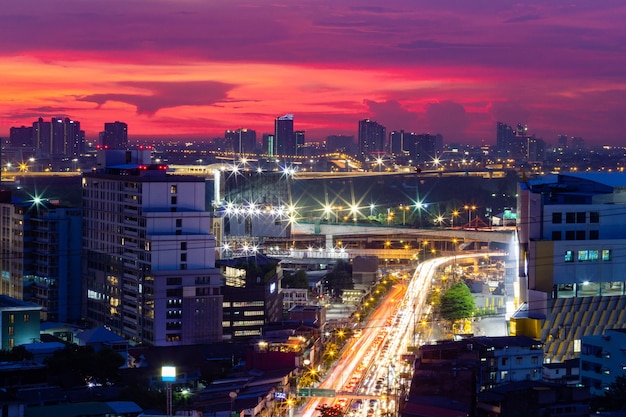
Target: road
371	366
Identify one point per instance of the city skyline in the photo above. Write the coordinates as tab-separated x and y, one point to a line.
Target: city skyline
195	69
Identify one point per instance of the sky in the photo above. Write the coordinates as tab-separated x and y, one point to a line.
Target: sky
194	68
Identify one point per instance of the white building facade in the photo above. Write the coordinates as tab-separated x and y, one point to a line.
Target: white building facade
149	264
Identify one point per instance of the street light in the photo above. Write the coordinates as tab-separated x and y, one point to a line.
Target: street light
469	214
354	210
404	209
455	213
372	207
379	162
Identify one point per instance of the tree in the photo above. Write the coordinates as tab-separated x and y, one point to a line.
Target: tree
340	278
614	398
75	365
297	280
457	303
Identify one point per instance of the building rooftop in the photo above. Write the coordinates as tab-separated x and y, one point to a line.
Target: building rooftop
10	303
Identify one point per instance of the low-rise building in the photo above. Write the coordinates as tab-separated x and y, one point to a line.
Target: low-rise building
19	322
602	359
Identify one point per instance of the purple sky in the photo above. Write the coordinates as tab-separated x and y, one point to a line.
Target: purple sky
194	68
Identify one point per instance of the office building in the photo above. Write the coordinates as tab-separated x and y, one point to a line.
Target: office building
602	359
252	295
340	143
115	136
300	142
372	139
269	144
243	141
21	137
41	254
59	137
284	135
19	321
572	236
149	256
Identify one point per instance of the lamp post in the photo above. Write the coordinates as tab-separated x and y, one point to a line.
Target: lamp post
455	213
469	214
404	209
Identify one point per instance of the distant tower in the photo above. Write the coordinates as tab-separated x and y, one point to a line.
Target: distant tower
42	137
21	137
115	135
243	141
67	138
372	138
284	135
299	138
269	144
562	142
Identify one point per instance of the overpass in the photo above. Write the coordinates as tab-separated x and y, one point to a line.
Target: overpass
331	230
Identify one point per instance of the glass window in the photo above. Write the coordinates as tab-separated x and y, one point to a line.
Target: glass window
606	255
183	245
594	217
556	235
174	199
581	217
570	235
179	222
557	218
583	256
594	235
570	217
593	255
580	235
26	318
173	189
569	256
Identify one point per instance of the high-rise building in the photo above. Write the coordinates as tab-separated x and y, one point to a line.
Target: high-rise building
372	137
59	137
396	142
115	136
300	142
21	137
149	264
243	141
562	142
41	254
284	135
269	144
340	143
571	233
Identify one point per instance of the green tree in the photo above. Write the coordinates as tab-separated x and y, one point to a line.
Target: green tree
75	365
457	303
297	280
614	398
18	353
340	278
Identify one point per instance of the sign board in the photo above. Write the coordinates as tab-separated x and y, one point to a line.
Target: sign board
316	392
168	374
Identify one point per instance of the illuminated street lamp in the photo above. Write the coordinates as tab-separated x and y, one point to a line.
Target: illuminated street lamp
372	207
455	213
354	210
469	214
404	210
439	220
379	162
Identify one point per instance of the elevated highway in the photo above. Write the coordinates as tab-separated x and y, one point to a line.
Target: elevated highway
331	230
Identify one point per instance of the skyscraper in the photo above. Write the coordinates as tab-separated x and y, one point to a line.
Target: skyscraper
269	144
149	266
284	135
243	141
299	140
59	137
41	253
372	138
115	135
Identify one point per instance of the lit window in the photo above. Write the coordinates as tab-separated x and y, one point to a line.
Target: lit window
569	256
606	255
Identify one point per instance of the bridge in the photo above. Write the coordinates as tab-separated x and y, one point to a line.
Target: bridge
330	230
